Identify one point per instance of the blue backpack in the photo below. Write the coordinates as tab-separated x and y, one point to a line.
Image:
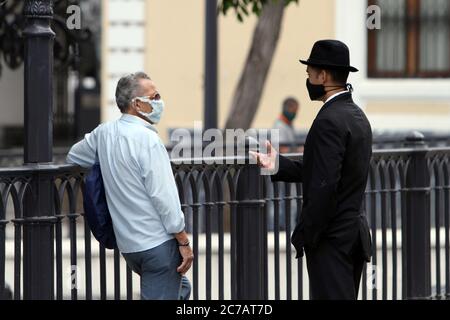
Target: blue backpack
96	210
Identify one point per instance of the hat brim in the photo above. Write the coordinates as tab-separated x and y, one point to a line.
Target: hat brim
330	66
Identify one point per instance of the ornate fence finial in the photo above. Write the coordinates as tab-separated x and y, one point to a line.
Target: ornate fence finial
38	8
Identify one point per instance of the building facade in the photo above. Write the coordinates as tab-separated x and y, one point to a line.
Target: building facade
403	82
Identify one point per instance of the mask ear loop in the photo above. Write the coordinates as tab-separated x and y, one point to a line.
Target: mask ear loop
349	87
135	104
140	99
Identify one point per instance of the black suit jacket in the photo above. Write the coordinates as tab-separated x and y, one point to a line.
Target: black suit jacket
334	174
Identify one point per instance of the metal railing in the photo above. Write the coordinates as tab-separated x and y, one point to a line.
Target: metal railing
14	157
240	223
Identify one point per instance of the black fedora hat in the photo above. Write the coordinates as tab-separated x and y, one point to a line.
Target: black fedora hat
330	54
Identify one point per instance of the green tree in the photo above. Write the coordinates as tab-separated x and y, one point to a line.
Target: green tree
249	89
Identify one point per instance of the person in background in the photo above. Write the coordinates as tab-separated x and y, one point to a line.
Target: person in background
140	190
286	131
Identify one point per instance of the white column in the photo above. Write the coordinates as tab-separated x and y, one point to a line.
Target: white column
123	48
351	29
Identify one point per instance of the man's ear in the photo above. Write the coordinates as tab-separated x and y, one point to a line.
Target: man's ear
323	76
136	105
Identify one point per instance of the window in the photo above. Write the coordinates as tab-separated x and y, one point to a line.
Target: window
413	42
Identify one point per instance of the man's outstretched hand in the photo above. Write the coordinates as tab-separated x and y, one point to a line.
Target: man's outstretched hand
266	161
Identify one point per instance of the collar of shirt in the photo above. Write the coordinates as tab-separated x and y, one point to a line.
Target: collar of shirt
134	119
335	95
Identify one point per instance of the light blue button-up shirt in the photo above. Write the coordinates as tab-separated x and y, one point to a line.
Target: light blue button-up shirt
140	187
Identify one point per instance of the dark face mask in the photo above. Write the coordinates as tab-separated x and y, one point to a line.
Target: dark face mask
289	115
317	91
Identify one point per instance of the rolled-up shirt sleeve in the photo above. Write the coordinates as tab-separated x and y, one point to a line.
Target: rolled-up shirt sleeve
161	187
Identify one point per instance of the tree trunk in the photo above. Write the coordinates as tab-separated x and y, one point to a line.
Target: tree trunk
251	84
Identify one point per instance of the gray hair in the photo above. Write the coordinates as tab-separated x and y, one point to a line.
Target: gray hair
128	89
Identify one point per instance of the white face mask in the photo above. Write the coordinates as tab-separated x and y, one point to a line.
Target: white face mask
157	106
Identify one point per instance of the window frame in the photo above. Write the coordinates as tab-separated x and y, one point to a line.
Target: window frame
412	48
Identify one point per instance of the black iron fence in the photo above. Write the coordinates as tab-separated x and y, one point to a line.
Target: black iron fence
240	224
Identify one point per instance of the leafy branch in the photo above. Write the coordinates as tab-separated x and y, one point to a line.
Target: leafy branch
244	8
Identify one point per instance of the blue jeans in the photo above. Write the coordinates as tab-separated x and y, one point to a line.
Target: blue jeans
157	268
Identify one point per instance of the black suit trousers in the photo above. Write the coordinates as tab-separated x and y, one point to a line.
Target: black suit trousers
334	274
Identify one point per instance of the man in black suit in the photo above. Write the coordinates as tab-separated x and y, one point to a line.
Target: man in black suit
332	228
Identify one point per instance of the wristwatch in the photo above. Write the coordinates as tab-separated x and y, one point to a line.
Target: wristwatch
184	244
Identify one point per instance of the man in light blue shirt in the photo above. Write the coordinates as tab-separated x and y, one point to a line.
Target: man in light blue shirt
140	189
